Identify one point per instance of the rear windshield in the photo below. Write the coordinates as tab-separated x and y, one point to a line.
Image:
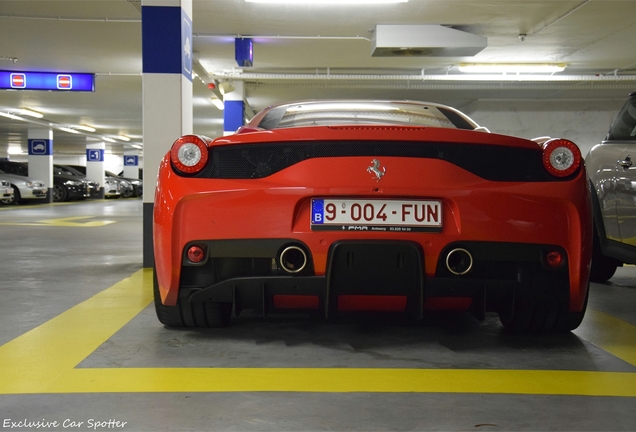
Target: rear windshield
624	127
359	113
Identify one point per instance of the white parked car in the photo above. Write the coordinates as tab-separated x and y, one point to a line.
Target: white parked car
23	188
6	191
610	166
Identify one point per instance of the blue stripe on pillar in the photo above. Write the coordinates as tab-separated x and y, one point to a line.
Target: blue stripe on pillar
233	115
161	39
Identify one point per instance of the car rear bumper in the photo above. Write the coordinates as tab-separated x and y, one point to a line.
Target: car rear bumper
531	215
384	276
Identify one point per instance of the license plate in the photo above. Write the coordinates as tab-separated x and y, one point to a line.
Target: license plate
376	215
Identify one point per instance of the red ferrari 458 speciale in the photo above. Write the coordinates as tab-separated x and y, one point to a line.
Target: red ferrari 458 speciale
355	206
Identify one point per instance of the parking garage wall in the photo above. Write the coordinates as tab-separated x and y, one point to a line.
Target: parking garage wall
584	122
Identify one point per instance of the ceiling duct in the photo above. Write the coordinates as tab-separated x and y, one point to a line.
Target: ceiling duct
424	40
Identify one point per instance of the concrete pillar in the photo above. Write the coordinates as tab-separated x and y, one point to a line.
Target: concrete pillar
234	112
95	164
41	157
131	164
167	92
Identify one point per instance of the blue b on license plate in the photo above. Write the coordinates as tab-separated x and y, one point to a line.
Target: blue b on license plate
376	215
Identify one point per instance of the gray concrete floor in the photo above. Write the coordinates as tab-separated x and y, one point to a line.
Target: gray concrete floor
55	257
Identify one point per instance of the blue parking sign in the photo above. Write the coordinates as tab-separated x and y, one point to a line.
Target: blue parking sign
131	160
94	155
40	147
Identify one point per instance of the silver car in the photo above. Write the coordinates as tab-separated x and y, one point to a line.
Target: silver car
612	173
24	188
6	191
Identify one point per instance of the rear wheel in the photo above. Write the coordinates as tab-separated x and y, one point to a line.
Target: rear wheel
542	307
603	268
191	314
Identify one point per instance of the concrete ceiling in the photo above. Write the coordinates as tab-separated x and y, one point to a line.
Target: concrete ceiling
594	38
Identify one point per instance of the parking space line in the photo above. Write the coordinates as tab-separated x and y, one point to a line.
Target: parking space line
611	334
31	361
44	360
74	221
336	380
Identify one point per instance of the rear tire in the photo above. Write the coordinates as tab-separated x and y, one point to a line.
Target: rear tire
190	314
542	307
603	268
167	315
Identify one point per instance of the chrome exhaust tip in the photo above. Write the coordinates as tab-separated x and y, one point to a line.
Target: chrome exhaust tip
459	261
293	259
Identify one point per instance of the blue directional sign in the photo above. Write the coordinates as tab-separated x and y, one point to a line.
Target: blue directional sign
243	52
95	155
131	160
40	147
59	81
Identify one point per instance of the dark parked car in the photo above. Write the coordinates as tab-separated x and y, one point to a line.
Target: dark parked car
612	172
90	188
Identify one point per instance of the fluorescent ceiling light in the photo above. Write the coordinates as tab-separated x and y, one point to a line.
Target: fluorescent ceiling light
328	1
122	137
11	116
85	128
218	103
69	130
511	67
110	140
30	113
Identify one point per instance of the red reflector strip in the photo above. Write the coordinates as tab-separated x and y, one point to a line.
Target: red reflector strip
295	302
448	303
351	303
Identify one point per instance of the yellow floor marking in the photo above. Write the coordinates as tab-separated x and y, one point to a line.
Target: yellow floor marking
44	360
42	204
31	361
336	380
64	222
611	334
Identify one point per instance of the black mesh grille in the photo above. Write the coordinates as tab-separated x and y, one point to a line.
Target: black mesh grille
496	163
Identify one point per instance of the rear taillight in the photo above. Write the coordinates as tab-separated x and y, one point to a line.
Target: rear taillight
561	157
189	154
